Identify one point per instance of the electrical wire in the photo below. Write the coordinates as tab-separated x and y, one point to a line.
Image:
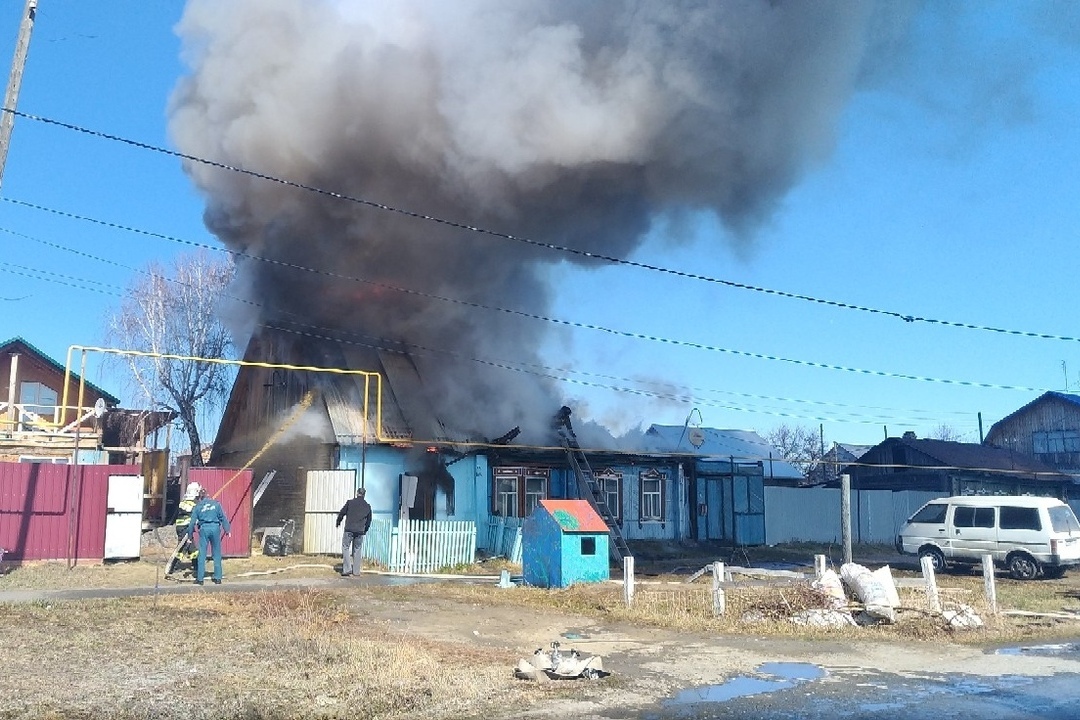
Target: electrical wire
555	321
906	317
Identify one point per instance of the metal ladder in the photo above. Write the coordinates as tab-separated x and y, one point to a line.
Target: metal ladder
588	488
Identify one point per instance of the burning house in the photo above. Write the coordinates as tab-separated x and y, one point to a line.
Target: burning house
397	181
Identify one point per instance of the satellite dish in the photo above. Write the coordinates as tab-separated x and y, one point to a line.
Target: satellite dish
697	437
99	408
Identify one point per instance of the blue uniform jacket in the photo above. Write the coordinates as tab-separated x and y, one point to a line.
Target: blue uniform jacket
207	511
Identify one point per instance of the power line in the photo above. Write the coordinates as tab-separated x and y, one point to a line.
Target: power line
555	321
685	395
906	317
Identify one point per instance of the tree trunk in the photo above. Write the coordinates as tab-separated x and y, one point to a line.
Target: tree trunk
187	417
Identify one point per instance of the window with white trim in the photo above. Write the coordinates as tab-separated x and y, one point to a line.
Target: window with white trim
652	495
610	484
518	490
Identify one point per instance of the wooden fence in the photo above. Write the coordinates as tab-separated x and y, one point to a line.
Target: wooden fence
420	546
504	538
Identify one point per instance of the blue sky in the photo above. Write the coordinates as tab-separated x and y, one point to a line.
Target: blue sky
949	193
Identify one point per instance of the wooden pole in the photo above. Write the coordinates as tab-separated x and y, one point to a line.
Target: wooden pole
932	600
719	601
628	580
11	97
845	515
990	583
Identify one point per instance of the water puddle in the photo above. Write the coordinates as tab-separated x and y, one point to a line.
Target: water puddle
1048	650
769	677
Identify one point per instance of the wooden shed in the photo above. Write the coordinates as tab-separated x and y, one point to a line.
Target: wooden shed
564	542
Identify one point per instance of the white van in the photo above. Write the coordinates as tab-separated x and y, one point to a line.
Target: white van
1027	535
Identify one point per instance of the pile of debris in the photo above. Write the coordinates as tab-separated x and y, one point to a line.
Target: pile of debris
875	591
556	665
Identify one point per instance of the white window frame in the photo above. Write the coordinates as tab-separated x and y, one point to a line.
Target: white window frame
610	484
652	501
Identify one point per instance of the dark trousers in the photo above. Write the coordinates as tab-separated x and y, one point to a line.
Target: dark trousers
209	534
351	543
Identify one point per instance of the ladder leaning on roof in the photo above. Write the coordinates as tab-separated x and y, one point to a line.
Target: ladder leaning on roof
588	488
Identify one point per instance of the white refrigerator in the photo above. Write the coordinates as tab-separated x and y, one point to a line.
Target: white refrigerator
124	515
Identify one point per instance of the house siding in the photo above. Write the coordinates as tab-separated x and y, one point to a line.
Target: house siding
1049	414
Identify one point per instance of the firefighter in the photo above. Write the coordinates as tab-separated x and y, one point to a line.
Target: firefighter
209	521
186	551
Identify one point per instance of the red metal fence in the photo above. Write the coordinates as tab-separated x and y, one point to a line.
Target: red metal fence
55	512
232	488
58	512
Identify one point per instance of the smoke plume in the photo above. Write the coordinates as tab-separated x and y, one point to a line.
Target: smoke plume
570	122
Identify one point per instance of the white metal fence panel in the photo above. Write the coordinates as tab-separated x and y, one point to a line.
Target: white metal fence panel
327	491
801	514
813	514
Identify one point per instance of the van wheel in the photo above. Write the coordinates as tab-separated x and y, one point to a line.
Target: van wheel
937	558
1022	566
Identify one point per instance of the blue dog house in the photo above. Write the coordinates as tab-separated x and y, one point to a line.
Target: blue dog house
564	542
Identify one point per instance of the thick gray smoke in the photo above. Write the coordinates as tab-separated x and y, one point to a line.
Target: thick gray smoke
577	123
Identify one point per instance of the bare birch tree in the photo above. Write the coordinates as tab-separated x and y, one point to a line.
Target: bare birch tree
172	311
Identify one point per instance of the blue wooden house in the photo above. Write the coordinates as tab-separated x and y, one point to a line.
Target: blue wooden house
377	427
564	542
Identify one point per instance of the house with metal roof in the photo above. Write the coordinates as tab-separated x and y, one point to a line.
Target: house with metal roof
954	468
375	424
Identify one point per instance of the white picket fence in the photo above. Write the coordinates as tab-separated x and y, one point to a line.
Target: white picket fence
417	546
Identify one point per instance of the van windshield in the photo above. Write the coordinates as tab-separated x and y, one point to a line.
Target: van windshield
1063	520
930	513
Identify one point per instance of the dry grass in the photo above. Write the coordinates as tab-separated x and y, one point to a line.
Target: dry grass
260	655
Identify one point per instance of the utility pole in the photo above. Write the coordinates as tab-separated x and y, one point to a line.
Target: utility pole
11	97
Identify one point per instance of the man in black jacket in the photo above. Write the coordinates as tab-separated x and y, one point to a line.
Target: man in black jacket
357	516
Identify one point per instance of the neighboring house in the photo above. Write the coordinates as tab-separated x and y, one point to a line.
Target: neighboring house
894	478
672	483
840	455
954	468
1047	428
32	427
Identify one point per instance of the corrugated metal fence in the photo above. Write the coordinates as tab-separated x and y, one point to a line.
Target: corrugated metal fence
55	512
420	546
813	514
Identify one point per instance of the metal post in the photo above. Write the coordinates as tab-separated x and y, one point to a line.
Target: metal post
845	514
13	381
11	97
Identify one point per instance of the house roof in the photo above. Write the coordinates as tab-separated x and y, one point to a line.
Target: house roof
574	515
1065	397
849	451
740	445
974	456
17	343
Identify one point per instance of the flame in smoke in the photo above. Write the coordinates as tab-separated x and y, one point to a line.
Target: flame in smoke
578	123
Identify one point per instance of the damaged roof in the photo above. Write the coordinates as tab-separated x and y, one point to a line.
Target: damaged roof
738	445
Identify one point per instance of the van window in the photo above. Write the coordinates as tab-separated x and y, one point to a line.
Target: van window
931	513
1062	519
973	517
1019	518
